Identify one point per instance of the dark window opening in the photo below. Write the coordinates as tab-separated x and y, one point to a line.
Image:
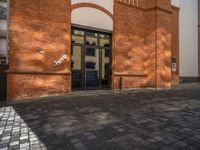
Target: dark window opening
107	71
90	51
72	64
3	60
90	65
107	45
72	51
107	54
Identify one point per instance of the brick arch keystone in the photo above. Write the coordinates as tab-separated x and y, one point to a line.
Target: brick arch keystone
91	5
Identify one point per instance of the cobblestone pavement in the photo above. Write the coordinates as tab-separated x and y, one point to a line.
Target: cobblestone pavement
130	120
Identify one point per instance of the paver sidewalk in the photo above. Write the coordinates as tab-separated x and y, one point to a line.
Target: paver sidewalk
130	120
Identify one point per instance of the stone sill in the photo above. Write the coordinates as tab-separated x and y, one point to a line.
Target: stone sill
140	74
37	72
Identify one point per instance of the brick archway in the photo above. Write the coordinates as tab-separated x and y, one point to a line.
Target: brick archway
91	5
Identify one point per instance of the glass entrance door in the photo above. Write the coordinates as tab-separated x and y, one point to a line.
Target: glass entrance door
91	68
90	59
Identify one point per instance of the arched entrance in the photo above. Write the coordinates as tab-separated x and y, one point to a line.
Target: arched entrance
91	47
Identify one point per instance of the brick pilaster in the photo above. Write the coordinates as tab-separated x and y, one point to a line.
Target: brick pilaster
163	43
39	34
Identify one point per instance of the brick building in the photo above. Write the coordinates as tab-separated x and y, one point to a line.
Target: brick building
54	47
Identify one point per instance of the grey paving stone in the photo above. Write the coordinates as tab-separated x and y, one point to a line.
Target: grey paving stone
181	143
15	147
78	145
151	140
24	137
5	145
138	139
121	130
35	147
135	119
74	141
91	137
158	138
14	143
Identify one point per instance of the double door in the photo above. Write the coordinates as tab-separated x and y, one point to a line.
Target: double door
90	67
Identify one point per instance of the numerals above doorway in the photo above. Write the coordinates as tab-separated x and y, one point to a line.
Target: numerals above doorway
130	2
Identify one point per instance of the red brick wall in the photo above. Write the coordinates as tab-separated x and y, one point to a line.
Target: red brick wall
128	43
163	48
142	44
39	33
150	48
147	4
91	5
175	43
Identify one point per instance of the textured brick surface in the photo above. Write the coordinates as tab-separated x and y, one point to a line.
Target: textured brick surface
142	44
175	43
36	85
105	120
163	49
92	5
129	42
39	34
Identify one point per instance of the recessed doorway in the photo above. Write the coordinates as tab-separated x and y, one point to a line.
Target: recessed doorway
90	59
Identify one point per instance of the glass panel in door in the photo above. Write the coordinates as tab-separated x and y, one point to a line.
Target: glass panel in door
91	68
105	68
76	66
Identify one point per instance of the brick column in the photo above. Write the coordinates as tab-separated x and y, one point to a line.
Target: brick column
39	34
129	46
175	44
142	44
163	43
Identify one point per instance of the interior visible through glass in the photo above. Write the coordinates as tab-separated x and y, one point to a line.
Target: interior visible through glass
90	59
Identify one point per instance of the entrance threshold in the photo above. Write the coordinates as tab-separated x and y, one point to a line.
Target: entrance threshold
93	92
92	89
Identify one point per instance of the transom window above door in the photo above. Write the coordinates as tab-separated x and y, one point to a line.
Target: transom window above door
91	38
